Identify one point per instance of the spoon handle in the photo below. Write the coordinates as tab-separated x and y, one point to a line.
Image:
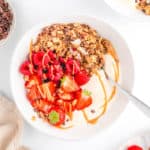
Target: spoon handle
138	103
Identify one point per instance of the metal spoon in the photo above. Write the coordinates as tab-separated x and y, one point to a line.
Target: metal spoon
138	103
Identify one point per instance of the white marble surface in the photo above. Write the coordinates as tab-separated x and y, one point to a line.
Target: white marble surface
132	121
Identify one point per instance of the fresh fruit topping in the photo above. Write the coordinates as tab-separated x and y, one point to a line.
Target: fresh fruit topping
52	55
48	90
53	85
45	70
65	96
46	60
72	66
82	77
68	109
55	73
135	147
25	68
37	58
84	99
68	84
56	116
33	94
43	106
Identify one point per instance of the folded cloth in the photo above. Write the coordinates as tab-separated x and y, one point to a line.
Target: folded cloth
11	125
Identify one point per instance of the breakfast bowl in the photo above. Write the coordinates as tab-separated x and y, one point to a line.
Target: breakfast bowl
8	21
99	114
130	9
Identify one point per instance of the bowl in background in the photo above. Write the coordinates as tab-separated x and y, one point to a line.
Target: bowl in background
12	27
127	8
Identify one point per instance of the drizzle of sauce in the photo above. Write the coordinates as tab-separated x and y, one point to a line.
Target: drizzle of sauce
65	128
94	121
106	100
30	52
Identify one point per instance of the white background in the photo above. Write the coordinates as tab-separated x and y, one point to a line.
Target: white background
137	35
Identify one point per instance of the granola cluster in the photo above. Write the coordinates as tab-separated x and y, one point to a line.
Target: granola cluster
78	41
6	18
144	6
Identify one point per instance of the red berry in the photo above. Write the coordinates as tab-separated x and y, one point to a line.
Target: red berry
55	72
82	77
135	147
37	58
25	68
46	60
72	66
52	55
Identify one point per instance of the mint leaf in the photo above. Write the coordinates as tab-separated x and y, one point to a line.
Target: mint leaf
53	117
62	80
86	92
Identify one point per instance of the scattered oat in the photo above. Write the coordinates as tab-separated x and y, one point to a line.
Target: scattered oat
33	118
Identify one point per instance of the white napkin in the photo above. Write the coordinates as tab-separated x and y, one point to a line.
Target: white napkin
11	125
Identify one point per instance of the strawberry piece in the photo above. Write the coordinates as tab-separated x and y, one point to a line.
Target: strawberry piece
135	147
56	116
25	68
68	84
48	90
52	87
37	58
43	106
82	77
65	96
84	99
33	94
72	66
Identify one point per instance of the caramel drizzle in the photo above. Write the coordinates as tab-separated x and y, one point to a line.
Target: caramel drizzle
106	101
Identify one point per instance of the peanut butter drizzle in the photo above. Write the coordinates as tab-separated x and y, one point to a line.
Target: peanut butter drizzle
104	106
93	121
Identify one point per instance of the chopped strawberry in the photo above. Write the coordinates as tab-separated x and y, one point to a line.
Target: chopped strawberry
72	66
25	68
68	84
82	77
135	147
37	58
68	109
43	105
48	90
84	99
52	87
32	81
56	116
65	96
74	103
33	94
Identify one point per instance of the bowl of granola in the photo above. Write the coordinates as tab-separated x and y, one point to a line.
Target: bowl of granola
58	76
135	9
7	20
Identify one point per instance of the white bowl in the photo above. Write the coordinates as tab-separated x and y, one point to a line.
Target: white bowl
128	9
117	106
12	27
